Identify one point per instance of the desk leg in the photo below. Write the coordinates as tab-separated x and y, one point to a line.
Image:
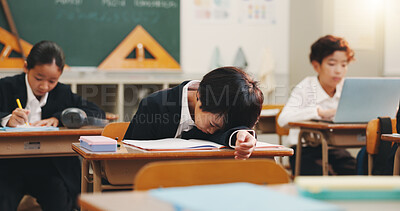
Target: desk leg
96	176
325	162
280	157
396	165
85	176
298	155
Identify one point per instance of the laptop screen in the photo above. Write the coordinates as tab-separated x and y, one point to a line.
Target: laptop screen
364	99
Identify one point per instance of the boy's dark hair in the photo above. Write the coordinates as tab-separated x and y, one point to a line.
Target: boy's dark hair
45	52
230	92
327	45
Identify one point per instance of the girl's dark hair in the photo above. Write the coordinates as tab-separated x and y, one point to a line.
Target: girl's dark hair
230	92
45	52
327	45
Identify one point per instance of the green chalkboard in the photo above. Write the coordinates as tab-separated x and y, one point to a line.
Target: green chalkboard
89	30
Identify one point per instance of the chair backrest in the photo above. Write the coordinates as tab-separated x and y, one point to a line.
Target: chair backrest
115	130
374	135
272	106
213	171
281	131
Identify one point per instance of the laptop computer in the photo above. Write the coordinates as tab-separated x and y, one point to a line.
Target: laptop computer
364	99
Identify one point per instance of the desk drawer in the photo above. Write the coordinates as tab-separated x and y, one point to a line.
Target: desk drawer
25	146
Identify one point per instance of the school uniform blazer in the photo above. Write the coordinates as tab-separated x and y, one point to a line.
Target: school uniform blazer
60	98
159	114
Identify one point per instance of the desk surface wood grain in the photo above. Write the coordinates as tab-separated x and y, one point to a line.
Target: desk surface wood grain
62	132
127	152
327	126
390	137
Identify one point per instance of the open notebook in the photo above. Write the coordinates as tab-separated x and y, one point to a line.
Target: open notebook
173	144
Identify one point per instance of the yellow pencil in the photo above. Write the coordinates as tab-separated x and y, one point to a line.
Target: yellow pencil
20	106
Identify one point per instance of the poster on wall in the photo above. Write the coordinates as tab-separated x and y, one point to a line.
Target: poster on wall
257	12
213	11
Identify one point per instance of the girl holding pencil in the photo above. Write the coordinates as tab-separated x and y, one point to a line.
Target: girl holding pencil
53	181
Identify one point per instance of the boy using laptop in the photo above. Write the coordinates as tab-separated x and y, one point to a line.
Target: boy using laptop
317	97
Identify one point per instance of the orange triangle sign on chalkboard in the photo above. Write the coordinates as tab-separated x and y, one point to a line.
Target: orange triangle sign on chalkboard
10	45
139	41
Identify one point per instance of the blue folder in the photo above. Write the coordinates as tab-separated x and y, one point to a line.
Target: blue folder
24	129
236	196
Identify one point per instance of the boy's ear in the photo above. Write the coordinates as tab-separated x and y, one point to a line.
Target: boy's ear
25	67
316	65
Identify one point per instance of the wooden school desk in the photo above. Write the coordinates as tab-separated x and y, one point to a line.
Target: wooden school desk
120	167
329	135
142	200
395	139
42	143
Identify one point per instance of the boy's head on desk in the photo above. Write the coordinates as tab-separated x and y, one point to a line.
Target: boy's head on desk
44	66
329	57
227	97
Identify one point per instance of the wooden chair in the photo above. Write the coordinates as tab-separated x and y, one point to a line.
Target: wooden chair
214	171
266	123
270	124
114	130
373	140
280	130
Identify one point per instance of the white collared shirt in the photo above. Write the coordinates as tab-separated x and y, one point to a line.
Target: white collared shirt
304	102
186	122
33	104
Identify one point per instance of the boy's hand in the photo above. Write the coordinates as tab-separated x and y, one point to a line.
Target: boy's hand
245	144
326	114
52	121
18	117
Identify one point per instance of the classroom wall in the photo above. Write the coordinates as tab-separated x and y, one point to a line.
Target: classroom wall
298	24
392	42
198	40
311	19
